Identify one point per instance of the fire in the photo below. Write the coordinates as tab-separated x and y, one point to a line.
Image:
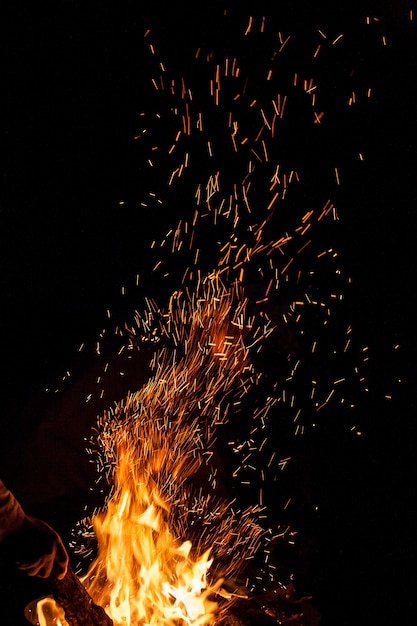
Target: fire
147	570
154	565
143	574
49	613
155	535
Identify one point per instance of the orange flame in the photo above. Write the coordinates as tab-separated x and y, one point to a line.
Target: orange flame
49	613
152	443
156	440
143	574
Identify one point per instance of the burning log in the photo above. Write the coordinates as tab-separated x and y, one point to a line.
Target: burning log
80	610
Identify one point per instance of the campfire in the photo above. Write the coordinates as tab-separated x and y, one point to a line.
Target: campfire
164	545
171	546
169	549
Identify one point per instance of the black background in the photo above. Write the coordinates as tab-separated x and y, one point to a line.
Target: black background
74	78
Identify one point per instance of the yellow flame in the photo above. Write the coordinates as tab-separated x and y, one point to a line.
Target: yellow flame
49	613
143	574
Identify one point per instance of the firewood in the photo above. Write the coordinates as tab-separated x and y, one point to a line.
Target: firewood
79	607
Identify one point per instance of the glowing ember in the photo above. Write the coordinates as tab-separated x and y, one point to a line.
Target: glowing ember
164	543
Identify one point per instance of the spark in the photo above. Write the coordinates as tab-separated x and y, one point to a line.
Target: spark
211	334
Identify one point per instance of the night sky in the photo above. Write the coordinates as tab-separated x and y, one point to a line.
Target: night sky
75	77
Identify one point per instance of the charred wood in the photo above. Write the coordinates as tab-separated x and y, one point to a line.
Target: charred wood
78	606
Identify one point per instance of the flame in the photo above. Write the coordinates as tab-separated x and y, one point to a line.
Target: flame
49	613
143	574
147	571
168	427
155	441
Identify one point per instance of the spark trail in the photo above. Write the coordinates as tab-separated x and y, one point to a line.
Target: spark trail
249	328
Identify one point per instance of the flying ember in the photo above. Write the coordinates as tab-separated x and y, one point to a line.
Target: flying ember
156	538
246	341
